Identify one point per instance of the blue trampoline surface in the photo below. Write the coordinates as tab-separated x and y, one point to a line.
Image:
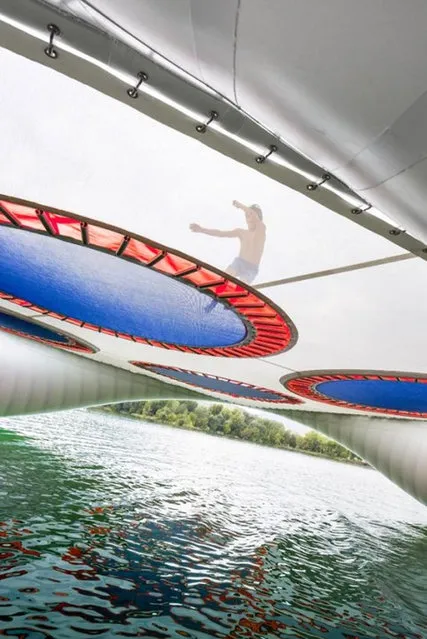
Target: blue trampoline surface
217	385
91	286
32	330
393	395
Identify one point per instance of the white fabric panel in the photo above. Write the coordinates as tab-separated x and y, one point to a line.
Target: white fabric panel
214	27
162	25
402	145
197	35
405	197
370	320
330	76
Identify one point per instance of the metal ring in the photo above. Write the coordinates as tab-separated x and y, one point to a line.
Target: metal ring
50	50
396	231
313	185
260	159
133	91
359	211
201	128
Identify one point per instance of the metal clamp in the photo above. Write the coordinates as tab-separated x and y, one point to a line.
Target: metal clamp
50	50
359	211
123	245
262	158
84	233
313	186
133	91
201	128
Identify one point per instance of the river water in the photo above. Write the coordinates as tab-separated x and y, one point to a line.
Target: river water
115	528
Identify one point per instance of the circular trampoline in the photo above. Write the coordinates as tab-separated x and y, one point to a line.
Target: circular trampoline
222	385
92	278
24	328
398	394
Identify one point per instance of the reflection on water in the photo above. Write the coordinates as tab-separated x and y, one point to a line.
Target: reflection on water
115	528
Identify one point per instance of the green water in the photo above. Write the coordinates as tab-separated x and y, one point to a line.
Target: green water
116	528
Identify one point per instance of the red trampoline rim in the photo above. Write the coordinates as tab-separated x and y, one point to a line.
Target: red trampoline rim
305	385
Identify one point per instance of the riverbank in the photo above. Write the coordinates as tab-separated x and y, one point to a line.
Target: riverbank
233	423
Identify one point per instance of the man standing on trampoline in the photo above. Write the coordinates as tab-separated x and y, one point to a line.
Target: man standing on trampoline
252	241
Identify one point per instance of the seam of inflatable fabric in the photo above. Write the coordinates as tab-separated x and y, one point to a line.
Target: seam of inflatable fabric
281	366
193	34
391	177
145	44
236	28
378	137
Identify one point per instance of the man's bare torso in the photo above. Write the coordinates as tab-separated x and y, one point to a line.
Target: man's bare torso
252	243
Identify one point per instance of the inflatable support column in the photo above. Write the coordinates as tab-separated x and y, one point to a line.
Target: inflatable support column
56	380
395	447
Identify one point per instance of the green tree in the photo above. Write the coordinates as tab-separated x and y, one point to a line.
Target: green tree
232	422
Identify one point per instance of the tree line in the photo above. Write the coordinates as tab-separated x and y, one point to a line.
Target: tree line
219	419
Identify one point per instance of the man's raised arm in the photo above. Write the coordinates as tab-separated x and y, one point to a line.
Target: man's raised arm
242	207
196	228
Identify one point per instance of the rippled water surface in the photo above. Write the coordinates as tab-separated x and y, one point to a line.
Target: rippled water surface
116	528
